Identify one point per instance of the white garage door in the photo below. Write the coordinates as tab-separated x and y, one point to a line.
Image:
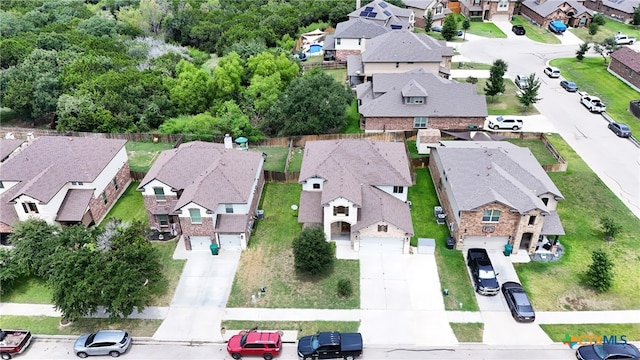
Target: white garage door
500	18
381	245
230	241
200	243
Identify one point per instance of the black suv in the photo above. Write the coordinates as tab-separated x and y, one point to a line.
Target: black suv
518	29
484	278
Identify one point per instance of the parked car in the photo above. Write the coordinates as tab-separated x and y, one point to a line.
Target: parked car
255	343
552	72
460	33
518	29
482	273
522	81
103	342
502	123
13	342
518	302
593	103
330	345
436	28
607	351
620	129
570	86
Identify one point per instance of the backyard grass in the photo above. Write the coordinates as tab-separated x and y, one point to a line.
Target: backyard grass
470	65
296	159
413	150
541	153
535	32
303	327
592	76
560	285
339	75
468	332
268	261
143	154
559	332
353	120
276	156
486	29
609	29
451	267
130	206
506	103
44	325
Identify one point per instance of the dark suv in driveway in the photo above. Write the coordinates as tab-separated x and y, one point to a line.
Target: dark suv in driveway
518	29
482	273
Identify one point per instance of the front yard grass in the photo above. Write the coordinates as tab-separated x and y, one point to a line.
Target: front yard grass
558	332
468	332
27	290
45	325
470	66
276	156
303	327
486	29
130	206
541	153
609	29
268	261
506	103
451	267
592	76
535	32
142	154
559	285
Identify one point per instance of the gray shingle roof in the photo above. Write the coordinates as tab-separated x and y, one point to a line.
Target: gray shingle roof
405	46
383	96
384	12
552	224
418	4
481	175
628	57
232	223
207	173
627	6
359	28
550	6
75	205
354	65
379	206
7	146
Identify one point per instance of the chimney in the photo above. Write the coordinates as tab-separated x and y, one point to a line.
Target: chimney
228	142
358	5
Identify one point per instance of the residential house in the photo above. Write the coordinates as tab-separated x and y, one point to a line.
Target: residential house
495	193
350	38
625	64
399	52
385	14
570	12
9	147
419	99
208	192
421	8
61	180
488	10
621	10
356	190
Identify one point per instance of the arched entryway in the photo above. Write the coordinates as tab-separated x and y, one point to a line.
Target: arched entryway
340	230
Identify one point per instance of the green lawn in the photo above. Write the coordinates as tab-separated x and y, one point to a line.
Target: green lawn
303	327
610	28
592	76
486	29
268	261
43	325
130	206
353	120
27	290
6	115
276	156
296	159
558	332
339	75
143	154
506	103
468	332
413	150
451	267
535	32
541	153
560	285
470	65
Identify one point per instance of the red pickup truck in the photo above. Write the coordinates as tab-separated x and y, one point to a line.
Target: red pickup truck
13	342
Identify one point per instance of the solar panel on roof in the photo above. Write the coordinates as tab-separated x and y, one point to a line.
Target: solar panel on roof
368	8
383	4
386	12
364	13
373	14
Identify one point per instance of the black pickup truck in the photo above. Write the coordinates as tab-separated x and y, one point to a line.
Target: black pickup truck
484	278
330	345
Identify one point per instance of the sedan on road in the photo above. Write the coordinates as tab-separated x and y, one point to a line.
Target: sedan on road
518	302
103	342
607	351
570	86
620	129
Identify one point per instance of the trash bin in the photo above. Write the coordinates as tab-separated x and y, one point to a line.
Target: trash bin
214	249
508	248
450	242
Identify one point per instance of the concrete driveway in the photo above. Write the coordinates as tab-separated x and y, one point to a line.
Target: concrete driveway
401	301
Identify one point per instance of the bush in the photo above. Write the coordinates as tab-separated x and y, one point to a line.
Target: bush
600	274
609	227
593	28
345	289
472	80
312	252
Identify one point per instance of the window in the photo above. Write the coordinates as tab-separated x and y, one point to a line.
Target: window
397	64
398	189
503	4
532	220
545	201
491	216
476	2
104	197
194	214
163	220
338	41
1	185
30	208
420	122
115	183
341	210
414	100
359	41
228	208
383	228
316	186
159	192
77	183
439	9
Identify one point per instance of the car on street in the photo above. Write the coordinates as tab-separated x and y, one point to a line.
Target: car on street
103	342
570	86
518	29
607	351
13	342
482	273
330	345
518	302
502	123
552	72
266	344
522	81
620	129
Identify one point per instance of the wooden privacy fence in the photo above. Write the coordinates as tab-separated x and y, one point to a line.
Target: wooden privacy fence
325	65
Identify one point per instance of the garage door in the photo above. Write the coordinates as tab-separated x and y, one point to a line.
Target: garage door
200	243
230	241
381	245
501	17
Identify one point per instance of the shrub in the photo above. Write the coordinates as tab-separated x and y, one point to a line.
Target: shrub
609	227
311	252
472	80
600	274
593	28
345	289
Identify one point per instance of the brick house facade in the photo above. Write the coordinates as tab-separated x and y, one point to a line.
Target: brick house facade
625	64
571	13
488	10
621	11
98	207
381	124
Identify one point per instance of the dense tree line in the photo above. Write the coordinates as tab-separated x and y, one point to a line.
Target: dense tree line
144	65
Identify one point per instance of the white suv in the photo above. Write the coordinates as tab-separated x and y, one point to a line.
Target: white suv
552	72
522	81
502	123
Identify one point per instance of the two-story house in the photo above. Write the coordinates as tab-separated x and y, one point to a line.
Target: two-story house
356	190
495	193
488	10
621	10
350	38
421	9
62	180
207	192
418	99
385	14
570	12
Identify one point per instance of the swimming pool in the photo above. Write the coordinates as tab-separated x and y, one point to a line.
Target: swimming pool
314	48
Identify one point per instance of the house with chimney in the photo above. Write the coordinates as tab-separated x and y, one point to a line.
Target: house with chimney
571	12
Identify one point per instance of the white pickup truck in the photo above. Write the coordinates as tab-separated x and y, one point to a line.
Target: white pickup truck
622	39
593	103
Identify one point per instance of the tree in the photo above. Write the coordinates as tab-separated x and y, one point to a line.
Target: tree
34	242
466	24
636	17
529	95
609	227
600	275
227	77
593	28
606	47
9	269
192	90
584	47
495	84
312	252
428	21
598	19
449	27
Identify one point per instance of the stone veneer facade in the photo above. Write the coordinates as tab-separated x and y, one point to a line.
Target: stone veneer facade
341	55
406	123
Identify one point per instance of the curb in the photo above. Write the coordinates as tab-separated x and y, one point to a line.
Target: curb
137	340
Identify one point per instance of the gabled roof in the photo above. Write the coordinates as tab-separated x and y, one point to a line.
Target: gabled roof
75	205
508	174
627	6
8	146
358	28
549	6
383	96
51	162
419	4
382	11
628	57
405	46
207	173
380	206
